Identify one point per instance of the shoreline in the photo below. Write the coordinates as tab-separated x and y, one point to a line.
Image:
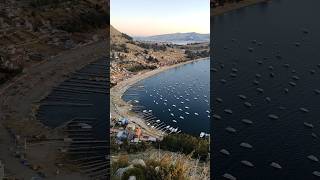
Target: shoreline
234	6
121	108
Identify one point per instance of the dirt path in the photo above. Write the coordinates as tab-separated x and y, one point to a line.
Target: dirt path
18	102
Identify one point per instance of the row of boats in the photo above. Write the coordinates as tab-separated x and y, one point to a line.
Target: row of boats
222	71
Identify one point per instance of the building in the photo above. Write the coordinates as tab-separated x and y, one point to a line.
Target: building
122	135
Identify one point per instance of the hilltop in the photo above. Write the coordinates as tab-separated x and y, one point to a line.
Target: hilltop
180	38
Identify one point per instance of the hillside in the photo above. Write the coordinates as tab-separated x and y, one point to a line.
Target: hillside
180	38
129	56
33	30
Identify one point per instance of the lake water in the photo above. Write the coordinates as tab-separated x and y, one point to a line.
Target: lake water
270	54
178	97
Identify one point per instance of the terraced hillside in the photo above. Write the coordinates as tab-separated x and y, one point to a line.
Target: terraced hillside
33	30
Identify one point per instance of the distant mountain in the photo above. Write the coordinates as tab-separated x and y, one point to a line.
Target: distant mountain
177	38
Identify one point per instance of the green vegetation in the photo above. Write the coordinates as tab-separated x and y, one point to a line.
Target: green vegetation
139	67
187	144
120	48
154	46
197	54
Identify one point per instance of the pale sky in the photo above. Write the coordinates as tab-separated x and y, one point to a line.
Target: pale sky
154	17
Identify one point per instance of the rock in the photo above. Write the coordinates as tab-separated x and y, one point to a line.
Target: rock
139	162
157	168
120	171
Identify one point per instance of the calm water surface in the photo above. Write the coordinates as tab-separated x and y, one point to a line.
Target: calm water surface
180	94
270	54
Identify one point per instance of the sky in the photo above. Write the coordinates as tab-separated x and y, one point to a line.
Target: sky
154	17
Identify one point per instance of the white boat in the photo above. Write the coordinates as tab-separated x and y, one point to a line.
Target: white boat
260	90
275	165
225	152
231	129
292	83
186	107
246	145
228	111
171	114
174	121
272	116
317	91
247	121
216	116
247	163
316	173
196	114
158	120
305	110
181	117
309	125
202	134
247	104
229	176
187	112
313	158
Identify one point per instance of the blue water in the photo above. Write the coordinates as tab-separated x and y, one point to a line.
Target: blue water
276	27
186	87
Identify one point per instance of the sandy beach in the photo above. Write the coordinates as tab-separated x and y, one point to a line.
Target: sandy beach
233	6
120	108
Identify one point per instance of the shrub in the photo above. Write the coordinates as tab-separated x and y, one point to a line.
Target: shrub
186	144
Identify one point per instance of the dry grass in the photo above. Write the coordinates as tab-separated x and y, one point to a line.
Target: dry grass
164	165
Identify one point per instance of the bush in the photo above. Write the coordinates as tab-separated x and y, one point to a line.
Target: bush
126	36
187	144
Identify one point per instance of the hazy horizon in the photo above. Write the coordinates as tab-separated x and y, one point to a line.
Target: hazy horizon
154	17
